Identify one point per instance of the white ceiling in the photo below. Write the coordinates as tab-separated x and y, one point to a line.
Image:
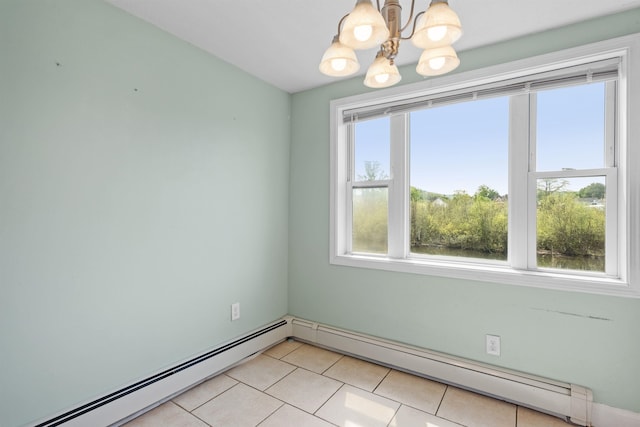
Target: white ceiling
282	41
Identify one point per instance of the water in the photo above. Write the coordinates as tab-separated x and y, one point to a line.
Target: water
585	263
588	263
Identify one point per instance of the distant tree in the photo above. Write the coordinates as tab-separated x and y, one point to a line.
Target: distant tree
487	193
370	219
417	194
595	190
568	227
372	172
547	186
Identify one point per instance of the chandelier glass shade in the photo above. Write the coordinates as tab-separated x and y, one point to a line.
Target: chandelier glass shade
382	73
364	27
339	60
367	26
440	60
438	27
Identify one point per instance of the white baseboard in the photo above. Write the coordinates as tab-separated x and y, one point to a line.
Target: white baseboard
554	397
607	416
543	394
142	395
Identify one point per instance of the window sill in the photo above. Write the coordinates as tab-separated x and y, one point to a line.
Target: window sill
494	273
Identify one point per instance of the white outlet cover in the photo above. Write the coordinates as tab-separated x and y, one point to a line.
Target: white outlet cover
235	311
493	345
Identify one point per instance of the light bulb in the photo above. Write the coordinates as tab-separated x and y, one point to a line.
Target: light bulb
338	60
437	63
437	33
382	78
363	32
339	64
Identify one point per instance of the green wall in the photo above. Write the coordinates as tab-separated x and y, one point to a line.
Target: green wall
143	189
585	339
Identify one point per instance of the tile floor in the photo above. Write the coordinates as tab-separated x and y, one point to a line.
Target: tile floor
298	385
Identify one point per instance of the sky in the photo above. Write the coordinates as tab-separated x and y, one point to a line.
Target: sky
461	146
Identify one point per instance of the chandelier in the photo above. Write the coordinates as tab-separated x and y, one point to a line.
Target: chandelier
433	30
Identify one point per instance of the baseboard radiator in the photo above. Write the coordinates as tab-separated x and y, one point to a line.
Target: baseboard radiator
561	399
566	400
141	395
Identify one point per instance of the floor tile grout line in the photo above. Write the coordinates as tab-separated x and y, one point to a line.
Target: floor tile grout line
435	414
400	404
292	405
313	414
390	370
394	414
265	390
381	381
445	418
237	381
417	409
366	391
270	385
341	386
193	415
282	402
333	364
209	400
295	407
342	356
280	380
280	358
324	374
328	399
273	412
408	405
318	348
446	388
359	388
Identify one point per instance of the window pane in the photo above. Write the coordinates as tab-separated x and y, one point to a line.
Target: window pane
370	214
459	179
571	128
372	150
571	223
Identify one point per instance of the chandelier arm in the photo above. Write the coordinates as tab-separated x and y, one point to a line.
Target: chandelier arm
340	23
413	3
413	30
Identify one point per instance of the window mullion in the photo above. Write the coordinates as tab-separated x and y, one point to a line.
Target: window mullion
615	240
348	224
398	188
348	185
532	185
519	112
612	265
610	124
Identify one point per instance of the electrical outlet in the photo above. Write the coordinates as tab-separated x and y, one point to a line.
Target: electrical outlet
493	345
235	311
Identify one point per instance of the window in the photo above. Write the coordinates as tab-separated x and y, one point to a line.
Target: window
573	166
459	179
370	188
515	174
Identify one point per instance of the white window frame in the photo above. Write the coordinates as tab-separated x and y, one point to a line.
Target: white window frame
625	204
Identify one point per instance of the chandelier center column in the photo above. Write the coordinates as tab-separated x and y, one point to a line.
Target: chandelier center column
391	12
